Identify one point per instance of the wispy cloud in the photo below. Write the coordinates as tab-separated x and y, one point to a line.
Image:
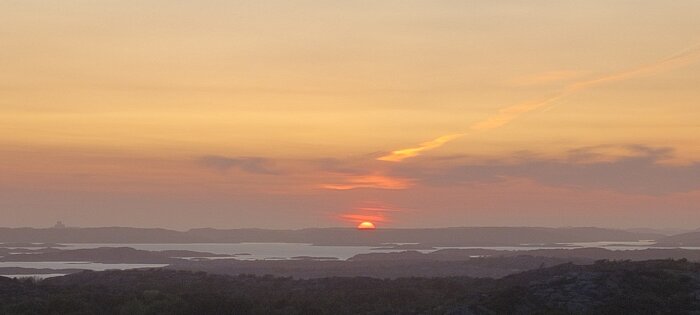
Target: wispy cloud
612	153
634	169
324	173
511	113
357	218
373	212
348	182
256	165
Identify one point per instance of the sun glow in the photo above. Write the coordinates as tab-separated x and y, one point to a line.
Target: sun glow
366	225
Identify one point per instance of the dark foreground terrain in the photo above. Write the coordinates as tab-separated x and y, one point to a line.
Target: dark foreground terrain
646	287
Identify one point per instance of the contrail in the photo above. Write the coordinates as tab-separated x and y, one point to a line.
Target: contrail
510	113
399	155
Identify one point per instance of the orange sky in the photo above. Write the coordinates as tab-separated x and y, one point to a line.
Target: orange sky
293	114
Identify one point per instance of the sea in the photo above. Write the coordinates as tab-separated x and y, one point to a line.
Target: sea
276	251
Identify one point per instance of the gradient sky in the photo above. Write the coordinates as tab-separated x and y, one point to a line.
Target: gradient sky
289	114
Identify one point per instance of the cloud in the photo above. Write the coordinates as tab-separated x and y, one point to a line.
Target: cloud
508	114
357	218
637	171
369	181
333	165
612	153
324	173
255	165
634	169
370	211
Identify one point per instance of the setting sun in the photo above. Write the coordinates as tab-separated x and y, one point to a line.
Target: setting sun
366	226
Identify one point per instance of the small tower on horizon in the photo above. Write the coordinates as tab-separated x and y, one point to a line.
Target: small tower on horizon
59	225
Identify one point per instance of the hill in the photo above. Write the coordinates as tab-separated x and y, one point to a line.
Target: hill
690	239
458	236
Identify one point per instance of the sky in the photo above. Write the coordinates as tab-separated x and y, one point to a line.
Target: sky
293	114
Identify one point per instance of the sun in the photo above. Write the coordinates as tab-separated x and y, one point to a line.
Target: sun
366	225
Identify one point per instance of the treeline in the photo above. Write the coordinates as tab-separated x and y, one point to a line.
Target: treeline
161	291
649	287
